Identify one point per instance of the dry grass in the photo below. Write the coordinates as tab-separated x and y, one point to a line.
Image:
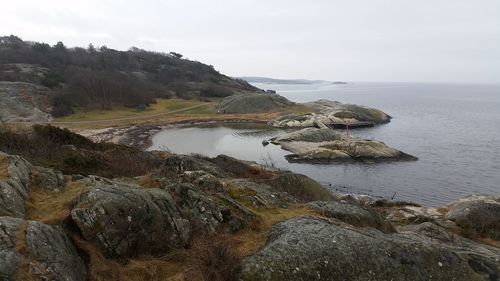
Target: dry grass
214	258
20	245
52	207
489	241
186	116
162	106
100	268
148	181
299	108
4	167
154	269
254	237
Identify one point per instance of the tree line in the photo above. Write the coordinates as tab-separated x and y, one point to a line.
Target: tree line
103	77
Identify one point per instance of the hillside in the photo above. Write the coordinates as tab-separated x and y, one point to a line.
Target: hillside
102	78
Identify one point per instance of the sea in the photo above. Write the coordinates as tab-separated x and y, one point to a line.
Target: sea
454	130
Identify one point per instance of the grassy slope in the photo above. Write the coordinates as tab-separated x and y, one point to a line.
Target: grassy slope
164	111
161	106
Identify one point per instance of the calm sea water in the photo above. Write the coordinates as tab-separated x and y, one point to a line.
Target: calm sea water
454	130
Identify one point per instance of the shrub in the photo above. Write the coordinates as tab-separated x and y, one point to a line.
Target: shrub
301	187
70	153
214	259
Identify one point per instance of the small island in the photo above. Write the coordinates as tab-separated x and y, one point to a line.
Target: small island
325	146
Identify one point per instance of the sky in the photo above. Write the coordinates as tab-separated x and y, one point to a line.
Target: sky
356	40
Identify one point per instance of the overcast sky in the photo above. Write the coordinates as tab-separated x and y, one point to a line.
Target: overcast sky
360	40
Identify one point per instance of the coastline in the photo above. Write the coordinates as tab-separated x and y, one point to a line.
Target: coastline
141	135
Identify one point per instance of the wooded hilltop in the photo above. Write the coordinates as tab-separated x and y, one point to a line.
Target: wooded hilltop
101	77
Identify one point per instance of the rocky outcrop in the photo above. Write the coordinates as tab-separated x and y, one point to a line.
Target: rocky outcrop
312	233
352	214
309	135
24	102
128	221
203	180
252	103
207	214
332	112
325	146
48	179
135	136
336	252
479	214
260	195
16	176
31	250
178	164
14	182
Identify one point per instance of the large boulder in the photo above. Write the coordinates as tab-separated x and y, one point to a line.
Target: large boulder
477	214
252	103
314	249
128	221
15	178
352	214
31	250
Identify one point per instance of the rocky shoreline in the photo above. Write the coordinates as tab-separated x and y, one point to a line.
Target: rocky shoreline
140	136
309	233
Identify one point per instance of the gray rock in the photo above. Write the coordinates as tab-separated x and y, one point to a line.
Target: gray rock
480	214
203	180
24	102
13	187
39	250
48	179
327	146
242	216
260	195
349	111
309	135
313	249
204	211
429	230
251	103
178	164
331	112
352	214
18	176
128	221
